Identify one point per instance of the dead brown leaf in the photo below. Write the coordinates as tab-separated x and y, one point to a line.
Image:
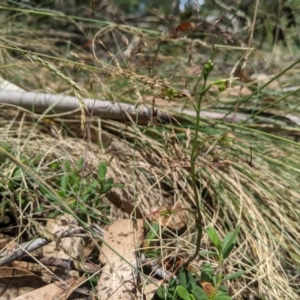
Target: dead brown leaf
174	218
57	290
15	282
117	280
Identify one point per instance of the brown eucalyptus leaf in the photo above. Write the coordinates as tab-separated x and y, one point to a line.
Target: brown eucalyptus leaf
149	290
66	247
57	290
19	278
117	280
9	292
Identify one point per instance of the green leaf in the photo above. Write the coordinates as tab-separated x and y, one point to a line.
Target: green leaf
207	272
75	187
229	242
102	169
109	183
186	279
94	184
94	280
167	294
82	209
169	93
152	254
50	197
219	277
207	268
64	182
198	293
214	280
54	166
17	173
73	179
234	275
161	293
223	290
227	250
153	231
61	193
183	293
214	238
84	198
67	165
80	163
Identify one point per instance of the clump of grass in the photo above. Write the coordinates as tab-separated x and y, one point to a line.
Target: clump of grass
190	162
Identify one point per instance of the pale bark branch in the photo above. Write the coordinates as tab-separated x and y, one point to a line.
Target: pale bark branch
56	104
51	104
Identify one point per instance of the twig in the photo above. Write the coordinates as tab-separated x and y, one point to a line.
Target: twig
23	249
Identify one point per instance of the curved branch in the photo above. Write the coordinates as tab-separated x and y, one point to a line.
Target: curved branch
48	104
42	103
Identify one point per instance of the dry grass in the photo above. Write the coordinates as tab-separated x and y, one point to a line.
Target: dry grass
263	198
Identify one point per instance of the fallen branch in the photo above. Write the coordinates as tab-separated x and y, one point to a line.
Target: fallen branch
67	264
50	104
23	249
